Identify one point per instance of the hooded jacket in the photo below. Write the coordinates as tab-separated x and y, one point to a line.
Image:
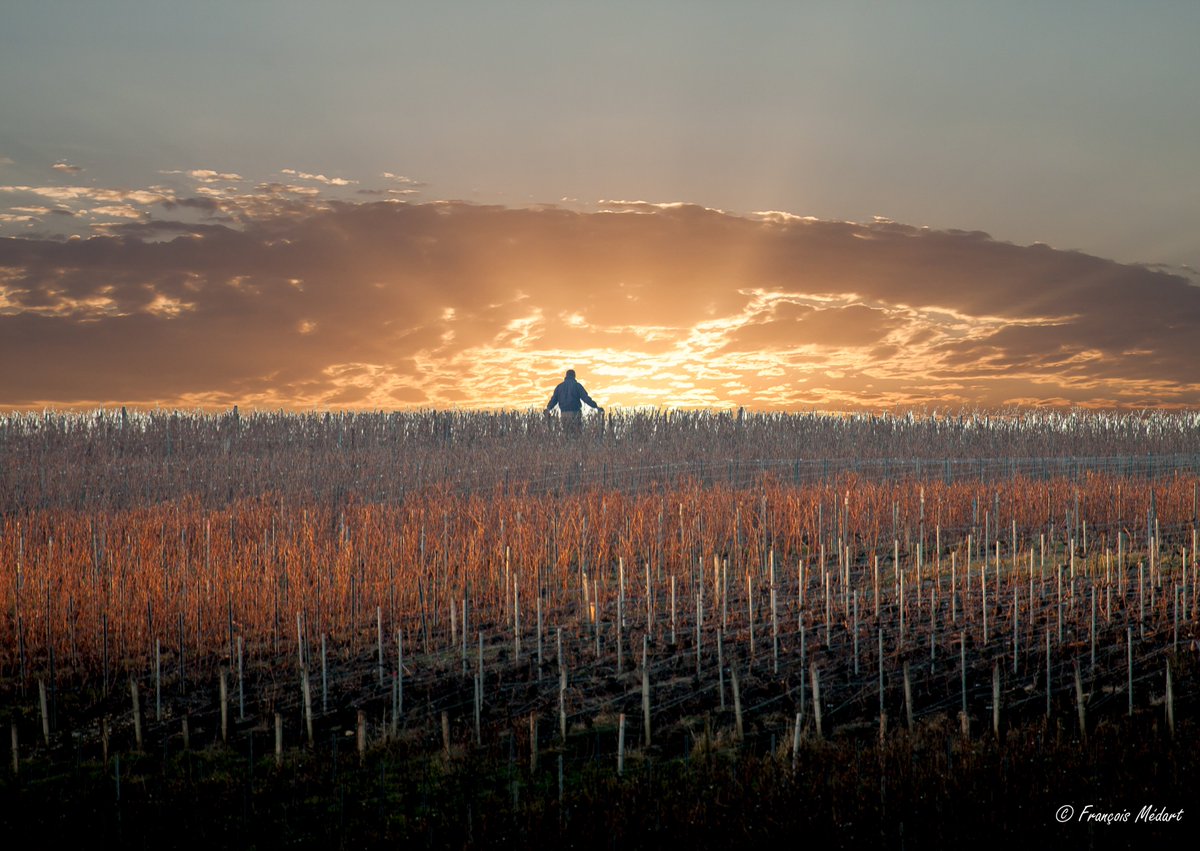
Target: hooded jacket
568	395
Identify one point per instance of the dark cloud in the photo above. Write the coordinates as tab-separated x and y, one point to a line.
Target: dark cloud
296	300
206	204
796	325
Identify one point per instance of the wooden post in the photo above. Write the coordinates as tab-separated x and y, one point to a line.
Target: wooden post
855	638
953	590
649	600
621	744
562	703
224	705
1016	632
621	621
908	707
379	642
307	695
882	712
996	700
137	712
1175	631
800	582
1170	707
829	613
965	718
533	742
362	733
1080	707
478	708
1049	676
646	688
775	624
158	678
724	593
184	728
620	595
876	593
1141	600
16	751
596	617
796	741
241	689
816	697
1129	667
394	731
278	739
897	574
400	669
750	613
104	650
721	668
1031	581
672	609
1093	636
324	676
737	701
983	604
45	711
446	733
299	642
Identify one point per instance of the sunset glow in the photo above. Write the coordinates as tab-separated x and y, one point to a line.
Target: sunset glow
425	257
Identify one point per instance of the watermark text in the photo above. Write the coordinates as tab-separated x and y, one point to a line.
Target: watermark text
1092	814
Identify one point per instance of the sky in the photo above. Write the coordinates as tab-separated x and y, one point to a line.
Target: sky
833	206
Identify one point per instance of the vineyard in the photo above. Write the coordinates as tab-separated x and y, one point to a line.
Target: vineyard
472	629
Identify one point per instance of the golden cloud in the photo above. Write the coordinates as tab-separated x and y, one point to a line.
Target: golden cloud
277	297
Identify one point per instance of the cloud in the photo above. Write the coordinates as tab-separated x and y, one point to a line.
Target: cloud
153	195
207	175
66	167
120	211
793	324
399	178
287	189
654	206
278	296
319	178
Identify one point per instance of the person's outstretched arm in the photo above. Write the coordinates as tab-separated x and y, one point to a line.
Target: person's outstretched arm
553	401
583	395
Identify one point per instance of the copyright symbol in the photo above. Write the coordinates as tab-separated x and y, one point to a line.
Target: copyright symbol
1064	813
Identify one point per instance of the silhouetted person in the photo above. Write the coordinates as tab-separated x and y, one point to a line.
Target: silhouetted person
568	397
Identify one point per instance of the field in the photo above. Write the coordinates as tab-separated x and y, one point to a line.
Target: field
473	630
